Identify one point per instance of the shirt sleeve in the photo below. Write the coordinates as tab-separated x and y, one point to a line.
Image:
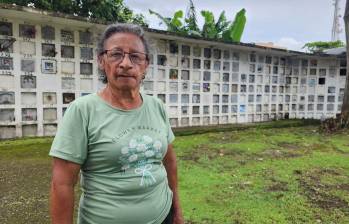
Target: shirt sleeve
71	140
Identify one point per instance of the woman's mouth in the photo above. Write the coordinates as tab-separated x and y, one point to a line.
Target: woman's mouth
126	76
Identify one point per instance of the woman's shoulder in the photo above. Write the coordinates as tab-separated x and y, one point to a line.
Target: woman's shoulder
86	99
152	100
84	102
155	104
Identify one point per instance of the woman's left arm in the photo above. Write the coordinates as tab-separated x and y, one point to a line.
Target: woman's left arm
171	169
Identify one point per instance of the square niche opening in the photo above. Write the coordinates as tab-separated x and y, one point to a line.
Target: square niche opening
6	28
50	114
27	65
68	97
7	82
6	63
7	132
67	67
86	53
7	115
27	31
67	51
48	32
29	130
67	36
174	122
28	98
197	51
48	66
7	97
28	82
49	98
48	50
27	47
50	129
85	37
86	68
86	84
68	83
29	114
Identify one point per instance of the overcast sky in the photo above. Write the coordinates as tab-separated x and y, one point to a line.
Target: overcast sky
288	23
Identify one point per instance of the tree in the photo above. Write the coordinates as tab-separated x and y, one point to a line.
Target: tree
222	29
106	10
320	46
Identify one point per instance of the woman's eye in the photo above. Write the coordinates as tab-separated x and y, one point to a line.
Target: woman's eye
135	57
116	54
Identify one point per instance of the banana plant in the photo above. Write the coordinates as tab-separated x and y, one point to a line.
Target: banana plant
236	28
221	25
190	19
209	27
222	29
173	24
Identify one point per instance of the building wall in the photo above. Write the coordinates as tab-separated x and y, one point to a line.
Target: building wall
53	61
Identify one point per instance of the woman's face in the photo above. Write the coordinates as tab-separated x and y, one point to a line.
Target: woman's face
124	73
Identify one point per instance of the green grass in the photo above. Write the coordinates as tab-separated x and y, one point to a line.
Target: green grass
256	175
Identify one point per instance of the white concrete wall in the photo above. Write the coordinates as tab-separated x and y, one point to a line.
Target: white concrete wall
201	82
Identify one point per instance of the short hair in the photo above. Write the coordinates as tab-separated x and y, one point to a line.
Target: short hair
120	28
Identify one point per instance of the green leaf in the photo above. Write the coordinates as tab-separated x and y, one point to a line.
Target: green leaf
221	25
208	29
191	20
167	21
236	29
320	46
176	23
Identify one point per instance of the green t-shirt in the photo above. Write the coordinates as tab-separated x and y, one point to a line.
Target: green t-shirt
123	179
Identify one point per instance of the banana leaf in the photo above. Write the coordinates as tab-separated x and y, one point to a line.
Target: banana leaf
191	20
236	29
173	24
208	29
221	25
165	20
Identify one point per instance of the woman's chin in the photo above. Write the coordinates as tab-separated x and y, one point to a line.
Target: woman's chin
127	85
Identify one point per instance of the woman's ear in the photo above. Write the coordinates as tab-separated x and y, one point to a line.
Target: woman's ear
146	65
101	62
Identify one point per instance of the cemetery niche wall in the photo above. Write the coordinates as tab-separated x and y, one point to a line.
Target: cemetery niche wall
53	62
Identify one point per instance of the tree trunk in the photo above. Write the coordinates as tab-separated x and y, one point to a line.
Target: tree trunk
345	105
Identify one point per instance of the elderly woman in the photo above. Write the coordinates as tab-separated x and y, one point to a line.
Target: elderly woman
120	141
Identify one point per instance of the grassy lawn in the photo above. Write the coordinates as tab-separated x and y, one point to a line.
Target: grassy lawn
280	175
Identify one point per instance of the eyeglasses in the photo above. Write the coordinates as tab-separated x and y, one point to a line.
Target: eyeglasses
117	55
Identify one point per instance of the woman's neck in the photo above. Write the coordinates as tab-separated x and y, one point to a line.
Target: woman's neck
123	99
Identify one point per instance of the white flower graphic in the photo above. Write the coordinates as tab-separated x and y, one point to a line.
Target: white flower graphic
149	153
141	147
125	167
132	158
124	150
133	143
157	145
147	139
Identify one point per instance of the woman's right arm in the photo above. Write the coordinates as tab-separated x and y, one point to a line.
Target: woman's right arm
64	177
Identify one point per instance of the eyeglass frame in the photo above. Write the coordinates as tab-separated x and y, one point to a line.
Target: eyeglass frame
124	53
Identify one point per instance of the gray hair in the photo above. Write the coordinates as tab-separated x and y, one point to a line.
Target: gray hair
120	28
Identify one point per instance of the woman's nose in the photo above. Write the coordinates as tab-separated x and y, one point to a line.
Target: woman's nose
126	62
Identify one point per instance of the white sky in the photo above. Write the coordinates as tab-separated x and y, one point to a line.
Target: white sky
288	23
